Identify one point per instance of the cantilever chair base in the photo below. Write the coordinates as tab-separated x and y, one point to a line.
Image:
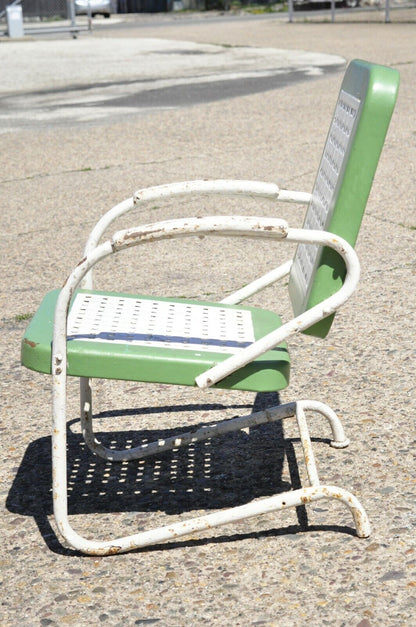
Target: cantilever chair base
294	498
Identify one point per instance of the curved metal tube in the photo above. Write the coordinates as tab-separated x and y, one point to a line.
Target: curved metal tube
234	225
176	530
217	187
255	227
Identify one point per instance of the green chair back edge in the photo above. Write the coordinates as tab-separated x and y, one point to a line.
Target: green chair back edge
377	88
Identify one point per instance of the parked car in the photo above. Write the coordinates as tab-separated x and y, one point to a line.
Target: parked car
96	7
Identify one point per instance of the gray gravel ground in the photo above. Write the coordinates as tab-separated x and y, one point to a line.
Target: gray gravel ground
55	182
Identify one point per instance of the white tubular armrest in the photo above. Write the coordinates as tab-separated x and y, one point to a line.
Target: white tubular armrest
225	187
221	187
98	230
105	221
286	195
247	226
301	322
259	284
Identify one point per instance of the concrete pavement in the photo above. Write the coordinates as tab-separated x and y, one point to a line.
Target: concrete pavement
56	181
95	79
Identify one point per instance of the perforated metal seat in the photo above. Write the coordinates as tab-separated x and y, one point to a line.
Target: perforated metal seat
160	340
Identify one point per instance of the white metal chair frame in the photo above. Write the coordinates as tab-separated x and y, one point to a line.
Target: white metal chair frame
255	227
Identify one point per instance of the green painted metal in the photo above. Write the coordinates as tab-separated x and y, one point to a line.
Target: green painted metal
376	88
149	364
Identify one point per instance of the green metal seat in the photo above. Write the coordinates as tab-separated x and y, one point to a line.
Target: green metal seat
144	345
79	331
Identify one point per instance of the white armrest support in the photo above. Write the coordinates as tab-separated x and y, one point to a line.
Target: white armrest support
248	226
258	284
216	225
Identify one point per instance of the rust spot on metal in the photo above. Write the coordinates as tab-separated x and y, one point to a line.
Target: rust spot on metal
65	282
80	262
30	343
135	234
113	550
305	499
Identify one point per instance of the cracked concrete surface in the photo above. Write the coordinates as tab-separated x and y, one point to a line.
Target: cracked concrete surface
287	569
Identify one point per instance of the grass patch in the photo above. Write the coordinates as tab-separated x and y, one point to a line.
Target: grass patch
22	317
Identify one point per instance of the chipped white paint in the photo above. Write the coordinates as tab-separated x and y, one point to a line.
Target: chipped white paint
226	187
176	530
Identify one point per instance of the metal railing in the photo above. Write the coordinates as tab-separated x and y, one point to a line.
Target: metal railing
335	7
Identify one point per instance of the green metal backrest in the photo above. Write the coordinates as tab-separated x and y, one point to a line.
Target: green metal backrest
349	161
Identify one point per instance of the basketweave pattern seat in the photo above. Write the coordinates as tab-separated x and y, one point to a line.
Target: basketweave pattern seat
82	332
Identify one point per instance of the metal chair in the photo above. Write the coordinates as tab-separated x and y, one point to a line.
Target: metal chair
81	332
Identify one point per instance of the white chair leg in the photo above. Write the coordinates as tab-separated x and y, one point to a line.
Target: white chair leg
307	446
85	390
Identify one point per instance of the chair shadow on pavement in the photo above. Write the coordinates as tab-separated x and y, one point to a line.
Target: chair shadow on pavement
229	470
